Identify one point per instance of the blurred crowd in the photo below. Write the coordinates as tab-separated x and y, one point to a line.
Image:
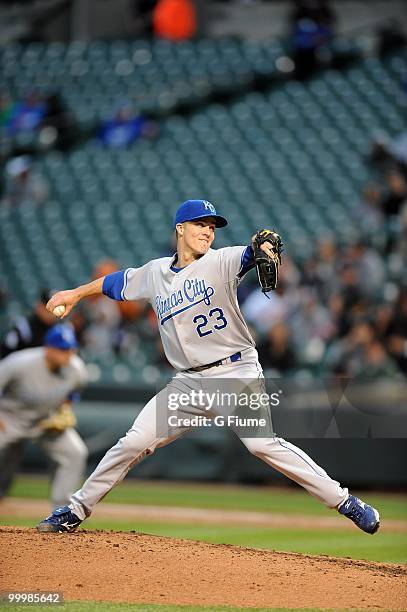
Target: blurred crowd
29	126
125	128
22	183
336	314
312	25
343	311
312	32
41	114
102	325
37	123
340	312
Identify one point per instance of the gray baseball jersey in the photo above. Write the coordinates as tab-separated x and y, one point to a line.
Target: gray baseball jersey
197	309
30	390
200	323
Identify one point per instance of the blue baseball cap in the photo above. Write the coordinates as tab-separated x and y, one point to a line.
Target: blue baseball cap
61	336
198	209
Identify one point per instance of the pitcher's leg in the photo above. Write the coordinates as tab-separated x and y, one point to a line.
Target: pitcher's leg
152	428
298	466
139	442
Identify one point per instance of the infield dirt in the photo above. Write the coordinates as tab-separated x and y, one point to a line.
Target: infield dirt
138	568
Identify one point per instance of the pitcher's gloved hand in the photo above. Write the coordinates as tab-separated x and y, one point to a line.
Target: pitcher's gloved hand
267	248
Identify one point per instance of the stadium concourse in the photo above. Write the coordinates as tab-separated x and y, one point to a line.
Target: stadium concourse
294	155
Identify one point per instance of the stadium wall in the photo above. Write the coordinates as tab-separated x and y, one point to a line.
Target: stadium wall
216	454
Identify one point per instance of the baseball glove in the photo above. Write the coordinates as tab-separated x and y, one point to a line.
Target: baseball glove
62	419
267	266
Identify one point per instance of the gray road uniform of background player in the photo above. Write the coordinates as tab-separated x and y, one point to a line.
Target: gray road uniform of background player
30	392
199	322
27	332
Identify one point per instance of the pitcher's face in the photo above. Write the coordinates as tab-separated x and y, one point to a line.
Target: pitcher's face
197	235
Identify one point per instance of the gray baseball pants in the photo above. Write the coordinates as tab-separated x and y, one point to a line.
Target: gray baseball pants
67	452
152	430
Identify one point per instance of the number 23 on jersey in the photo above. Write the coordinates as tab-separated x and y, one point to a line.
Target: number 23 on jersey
206	324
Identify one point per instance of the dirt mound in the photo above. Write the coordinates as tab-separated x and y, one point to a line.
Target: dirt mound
133	567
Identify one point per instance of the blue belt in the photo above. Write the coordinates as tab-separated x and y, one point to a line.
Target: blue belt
235	357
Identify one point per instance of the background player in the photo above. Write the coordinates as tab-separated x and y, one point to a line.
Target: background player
207	341
35	385
27	332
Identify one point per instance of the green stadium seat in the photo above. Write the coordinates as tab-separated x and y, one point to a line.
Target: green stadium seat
293	154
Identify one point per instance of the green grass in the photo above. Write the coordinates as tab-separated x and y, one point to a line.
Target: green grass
264	499
384	547
103	606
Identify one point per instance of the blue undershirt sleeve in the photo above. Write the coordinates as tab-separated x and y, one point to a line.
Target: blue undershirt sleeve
113	285
247	261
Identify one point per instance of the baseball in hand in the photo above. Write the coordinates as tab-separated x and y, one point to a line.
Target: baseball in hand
59	311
